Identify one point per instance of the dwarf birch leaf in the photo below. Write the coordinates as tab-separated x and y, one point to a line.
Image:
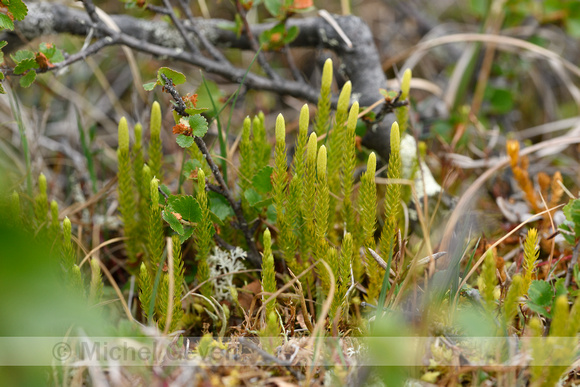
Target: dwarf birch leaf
262	181
184	141
175	224
149	86
27	80
198	125
176	77
187	206
540	293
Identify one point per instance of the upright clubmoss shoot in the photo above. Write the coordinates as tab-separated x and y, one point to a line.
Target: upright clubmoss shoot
402	113
531	253
268	272
367	204
41	201
96	285
322	204
69	258
348	164
392	201
125	189
204	232
337	145
155	146
156	239
323	112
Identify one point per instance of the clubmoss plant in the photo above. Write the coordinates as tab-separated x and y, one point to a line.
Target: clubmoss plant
145	290
41	202
204	231
309	196
125	189
156	239
531	253
54	229
323	112
268	273
511	302
348	164
76	282
337	147
178	278
286	238
488	280
322	203
155	146
262	147
402	113
96	285
367	203
68	252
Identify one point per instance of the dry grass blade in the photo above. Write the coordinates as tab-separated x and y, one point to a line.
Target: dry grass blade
321	319
171	278
106	243
420	49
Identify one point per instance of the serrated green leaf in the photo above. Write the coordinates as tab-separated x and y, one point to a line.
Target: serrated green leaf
560	288
6	23
572	213
21	55
27	80
18	9
2	91
194	111
149	86
1	76
173	222
255	200
566	226
189	167
291	34
53	53
187	233
25	65
274	7
538	309
262	181
271	214
198	125
541	293
47	49
219	205
252	196
187	206
176	77
184	141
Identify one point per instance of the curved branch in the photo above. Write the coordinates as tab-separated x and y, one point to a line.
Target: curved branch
361	62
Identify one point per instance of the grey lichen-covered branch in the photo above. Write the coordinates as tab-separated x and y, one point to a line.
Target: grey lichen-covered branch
360	61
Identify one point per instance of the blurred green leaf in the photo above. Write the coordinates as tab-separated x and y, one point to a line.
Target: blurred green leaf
540	293
176	77
27	80
187	206
219	205
198	125
184	141
262	181
174	223
149	86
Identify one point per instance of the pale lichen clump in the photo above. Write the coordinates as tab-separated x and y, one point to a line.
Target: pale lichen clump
225	262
